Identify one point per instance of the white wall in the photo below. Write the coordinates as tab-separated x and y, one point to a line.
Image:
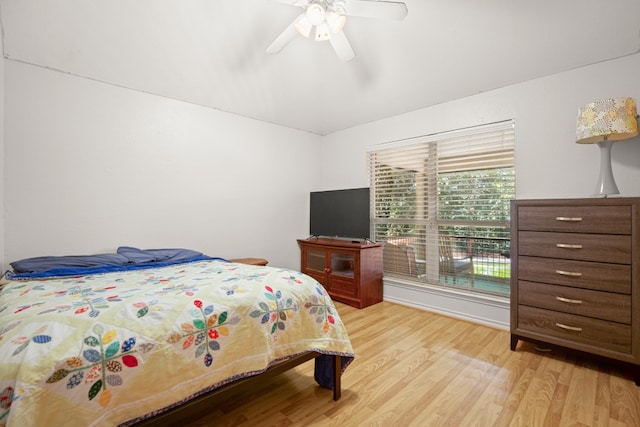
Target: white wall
549	164
90	167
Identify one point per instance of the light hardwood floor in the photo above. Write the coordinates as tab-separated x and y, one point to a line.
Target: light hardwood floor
415	368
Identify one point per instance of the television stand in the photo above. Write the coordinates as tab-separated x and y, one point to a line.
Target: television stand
351	272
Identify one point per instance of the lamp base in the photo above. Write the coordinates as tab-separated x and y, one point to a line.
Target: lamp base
606	186
605	196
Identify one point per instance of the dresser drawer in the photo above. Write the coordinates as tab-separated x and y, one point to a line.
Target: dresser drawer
586	247
584	330
582	274
576	219
583	302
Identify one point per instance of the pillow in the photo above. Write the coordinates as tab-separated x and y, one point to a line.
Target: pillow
140	256
40	264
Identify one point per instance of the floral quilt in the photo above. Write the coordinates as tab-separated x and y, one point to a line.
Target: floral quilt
110	349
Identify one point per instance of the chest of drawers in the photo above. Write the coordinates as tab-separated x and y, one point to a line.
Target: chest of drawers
575	275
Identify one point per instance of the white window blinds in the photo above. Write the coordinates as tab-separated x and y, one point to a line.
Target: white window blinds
455	185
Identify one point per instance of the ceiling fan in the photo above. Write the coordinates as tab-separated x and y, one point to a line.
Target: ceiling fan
329	17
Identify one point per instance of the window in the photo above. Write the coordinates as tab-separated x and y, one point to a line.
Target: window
441	205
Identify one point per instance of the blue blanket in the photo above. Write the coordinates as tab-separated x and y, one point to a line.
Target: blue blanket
126	258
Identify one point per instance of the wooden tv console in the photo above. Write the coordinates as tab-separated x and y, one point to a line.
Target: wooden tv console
350	271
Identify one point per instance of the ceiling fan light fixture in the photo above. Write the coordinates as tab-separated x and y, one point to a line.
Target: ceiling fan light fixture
322	32
336	22
303	26
330	16
315	14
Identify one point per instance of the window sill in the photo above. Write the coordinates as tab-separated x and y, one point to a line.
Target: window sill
488	310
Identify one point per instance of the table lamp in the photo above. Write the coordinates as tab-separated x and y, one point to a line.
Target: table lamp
604	122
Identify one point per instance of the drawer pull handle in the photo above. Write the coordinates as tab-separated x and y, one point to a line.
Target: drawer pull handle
569	328
569	218
567	246
569	273
570	301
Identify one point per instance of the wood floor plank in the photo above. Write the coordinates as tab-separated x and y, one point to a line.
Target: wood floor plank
582	393
556	406
415	368
489	403
603	399
625	401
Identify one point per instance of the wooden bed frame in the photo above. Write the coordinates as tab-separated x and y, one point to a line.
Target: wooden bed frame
201	405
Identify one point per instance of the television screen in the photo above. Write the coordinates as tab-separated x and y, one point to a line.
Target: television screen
340	213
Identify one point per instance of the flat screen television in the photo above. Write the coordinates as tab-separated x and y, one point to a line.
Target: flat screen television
340	213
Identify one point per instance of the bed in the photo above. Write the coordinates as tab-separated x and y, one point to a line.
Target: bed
140	335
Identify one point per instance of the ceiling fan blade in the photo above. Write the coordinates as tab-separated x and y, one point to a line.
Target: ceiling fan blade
376	9
341	45
284	38
300	3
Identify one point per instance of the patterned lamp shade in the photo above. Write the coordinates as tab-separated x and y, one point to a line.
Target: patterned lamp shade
604	122
612	119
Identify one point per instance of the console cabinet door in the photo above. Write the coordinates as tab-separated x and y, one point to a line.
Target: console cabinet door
315	263
343	274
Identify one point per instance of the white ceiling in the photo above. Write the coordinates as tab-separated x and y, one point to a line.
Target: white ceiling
211	52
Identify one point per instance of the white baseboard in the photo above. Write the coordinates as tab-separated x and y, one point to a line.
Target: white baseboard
488	310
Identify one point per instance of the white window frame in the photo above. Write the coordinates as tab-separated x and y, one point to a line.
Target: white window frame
486	147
